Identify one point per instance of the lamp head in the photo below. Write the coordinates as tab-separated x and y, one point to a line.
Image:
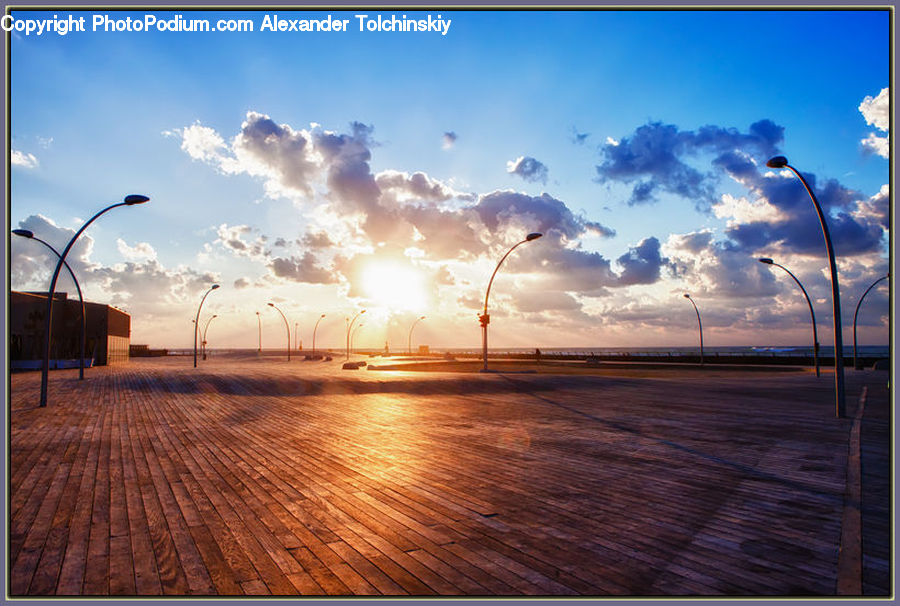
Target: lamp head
777	162
214	286
687	296
133	199
322	316
533	236
363	311
766	260
215	315
25	233
271	305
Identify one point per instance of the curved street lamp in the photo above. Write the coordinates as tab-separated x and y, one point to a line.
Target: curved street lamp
287	327
856	364
197	320
688	297
259	325
782	162
25	233
296	334
349	326
812	314
205	328
409	338
316	327
129	200
484	318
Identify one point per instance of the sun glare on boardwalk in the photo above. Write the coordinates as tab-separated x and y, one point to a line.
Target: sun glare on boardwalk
393	286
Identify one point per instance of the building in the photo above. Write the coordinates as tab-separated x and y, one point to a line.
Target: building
108	331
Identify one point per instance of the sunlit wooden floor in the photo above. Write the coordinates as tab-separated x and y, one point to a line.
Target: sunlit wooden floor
249	476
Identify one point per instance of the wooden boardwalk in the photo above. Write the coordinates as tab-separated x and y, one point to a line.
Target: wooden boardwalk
261	477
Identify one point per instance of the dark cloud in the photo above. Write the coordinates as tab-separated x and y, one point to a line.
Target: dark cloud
655	158
241	283
317	240
577	137
447	234
231	238
642	263
545	301
417	186
280	151
542	213
303	269
655	154
349	176
857	225
448	139
528	169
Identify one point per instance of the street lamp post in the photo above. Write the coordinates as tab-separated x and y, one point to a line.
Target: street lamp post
782	162
812	314
129	200
30	235
409	339
316	327
205	328
296	335
484	318
287	327
197	320
856	364
259	326
349	326
688	297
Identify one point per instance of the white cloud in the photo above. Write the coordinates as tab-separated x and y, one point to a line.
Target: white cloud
528	168
142	251
742	210
202	143
877	145
877	112
22	159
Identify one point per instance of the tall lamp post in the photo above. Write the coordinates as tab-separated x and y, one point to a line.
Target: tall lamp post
205	328
296	335
259	326
129	200
812	314
409	338
30	235
315	328
856	364
484	318
197	320
287	327
688	297
782	162
349	326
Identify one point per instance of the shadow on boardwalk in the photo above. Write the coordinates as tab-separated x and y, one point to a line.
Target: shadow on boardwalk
254	479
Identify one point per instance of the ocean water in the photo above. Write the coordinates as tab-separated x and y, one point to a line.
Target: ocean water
760	350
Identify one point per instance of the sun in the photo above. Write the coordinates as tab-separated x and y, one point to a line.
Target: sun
394	286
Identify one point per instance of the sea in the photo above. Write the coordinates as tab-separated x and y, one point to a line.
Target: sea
778	351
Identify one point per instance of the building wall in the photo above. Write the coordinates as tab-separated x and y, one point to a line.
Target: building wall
108	329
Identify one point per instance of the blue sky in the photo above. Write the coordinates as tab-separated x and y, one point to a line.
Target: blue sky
636	139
